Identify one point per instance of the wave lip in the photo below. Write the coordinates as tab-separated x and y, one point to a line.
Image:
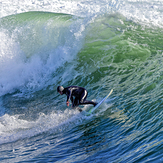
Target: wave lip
79	8
145	12
148	13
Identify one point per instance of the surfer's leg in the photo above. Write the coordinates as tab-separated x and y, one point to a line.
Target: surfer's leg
72	100
76	102
88	102
83	100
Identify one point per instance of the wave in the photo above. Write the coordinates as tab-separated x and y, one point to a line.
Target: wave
80	8
99	45
141	12
34	48
41	49
13	127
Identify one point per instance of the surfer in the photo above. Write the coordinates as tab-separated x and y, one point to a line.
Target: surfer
79	93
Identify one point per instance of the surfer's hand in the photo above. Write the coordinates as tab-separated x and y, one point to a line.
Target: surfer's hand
67	103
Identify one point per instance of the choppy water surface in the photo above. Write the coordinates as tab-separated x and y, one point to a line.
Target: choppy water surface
99	45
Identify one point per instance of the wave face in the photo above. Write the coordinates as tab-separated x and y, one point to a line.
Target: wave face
100	45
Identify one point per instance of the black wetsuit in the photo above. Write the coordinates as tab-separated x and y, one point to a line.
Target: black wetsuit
80	95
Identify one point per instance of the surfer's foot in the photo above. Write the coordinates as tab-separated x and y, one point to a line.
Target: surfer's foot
80	109
95	104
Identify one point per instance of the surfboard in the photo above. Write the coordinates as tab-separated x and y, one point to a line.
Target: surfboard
94	108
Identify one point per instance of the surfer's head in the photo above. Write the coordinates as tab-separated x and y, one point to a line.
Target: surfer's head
60	89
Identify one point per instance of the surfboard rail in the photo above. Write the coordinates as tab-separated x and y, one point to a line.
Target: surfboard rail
94	108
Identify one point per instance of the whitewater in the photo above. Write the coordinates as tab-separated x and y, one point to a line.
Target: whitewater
97	44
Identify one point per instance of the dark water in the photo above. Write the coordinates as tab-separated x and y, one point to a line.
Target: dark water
117	45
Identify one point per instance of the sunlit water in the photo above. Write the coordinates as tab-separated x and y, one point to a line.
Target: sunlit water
100	45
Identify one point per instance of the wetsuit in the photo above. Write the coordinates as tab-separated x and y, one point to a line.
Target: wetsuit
80	95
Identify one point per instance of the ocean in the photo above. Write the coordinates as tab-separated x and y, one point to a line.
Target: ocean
96	44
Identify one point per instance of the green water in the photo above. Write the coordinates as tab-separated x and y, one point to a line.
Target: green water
43	50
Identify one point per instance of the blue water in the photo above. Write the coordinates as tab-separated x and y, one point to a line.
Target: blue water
100	45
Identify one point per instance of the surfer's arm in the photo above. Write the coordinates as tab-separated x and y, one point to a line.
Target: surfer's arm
68	97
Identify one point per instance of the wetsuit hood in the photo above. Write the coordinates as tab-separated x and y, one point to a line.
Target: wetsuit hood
60	89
